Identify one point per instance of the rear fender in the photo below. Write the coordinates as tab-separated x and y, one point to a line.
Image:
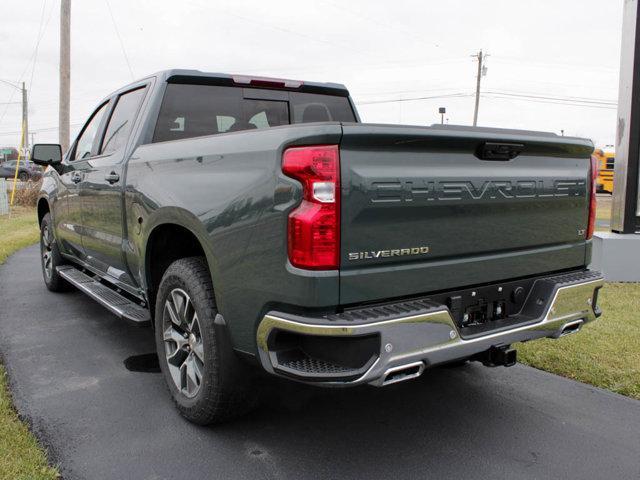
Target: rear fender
182	218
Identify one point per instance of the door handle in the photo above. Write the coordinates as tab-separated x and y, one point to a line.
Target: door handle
112	177
76	177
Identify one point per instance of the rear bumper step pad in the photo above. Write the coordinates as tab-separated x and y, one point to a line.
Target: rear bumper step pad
417	334
107	297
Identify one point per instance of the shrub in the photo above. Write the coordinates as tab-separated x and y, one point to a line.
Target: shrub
26	193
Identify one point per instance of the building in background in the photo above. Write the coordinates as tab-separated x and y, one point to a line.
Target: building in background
8	153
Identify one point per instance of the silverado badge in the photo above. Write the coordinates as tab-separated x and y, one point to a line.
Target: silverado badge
397	252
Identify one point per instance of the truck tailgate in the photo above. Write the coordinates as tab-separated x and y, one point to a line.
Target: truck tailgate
427	209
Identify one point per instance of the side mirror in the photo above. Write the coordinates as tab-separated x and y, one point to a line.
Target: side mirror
46	154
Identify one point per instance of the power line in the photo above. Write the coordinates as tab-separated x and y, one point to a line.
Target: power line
561	99
280	29
387	65
4	112
41	29
391	26
35	53
502	92
399	92
506	94
565	101
567	85
413	99
32	58
270	26
507	59
551	102
124	52
41	130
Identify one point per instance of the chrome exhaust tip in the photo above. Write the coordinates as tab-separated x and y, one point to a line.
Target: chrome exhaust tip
571	328
402	373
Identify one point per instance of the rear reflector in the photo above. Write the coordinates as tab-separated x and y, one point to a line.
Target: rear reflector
314	226
592	197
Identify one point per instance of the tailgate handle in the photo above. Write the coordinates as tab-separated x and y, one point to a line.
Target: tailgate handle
499	151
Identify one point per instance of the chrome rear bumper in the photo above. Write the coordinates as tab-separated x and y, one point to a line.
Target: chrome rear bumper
414	335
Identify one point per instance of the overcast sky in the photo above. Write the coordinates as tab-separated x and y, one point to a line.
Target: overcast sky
565	51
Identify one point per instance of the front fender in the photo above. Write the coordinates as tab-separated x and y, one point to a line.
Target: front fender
47	195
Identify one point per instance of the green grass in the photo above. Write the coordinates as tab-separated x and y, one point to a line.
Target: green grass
20	455
606	353
17	230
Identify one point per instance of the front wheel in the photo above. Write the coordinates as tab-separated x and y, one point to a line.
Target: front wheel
23	176
208	383
50	258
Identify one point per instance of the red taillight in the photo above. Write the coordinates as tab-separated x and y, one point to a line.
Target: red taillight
314	226
592	197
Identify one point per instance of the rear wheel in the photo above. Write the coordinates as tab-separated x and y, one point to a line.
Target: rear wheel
23	176
208	383
50	258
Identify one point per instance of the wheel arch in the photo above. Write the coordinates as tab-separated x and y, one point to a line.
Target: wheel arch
167	242
43	208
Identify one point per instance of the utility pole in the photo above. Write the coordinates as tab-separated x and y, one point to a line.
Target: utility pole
481	72
65	73
24	125
25	119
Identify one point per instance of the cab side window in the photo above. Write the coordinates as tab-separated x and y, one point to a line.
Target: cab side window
121	121
84	145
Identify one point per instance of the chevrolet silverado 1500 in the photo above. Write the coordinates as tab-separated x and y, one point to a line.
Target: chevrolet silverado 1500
256	221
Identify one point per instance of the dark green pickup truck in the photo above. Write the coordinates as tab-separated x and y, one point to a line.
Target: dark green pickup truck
256	222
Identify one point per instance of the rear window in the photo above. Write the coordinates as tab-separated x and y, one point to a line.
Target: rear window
189	111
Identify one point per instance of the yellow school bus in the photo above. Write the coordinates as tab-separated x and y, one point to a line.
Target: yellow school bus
606	161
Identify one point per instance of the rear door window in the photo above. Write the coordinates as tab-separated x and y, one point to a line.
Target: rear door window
196	110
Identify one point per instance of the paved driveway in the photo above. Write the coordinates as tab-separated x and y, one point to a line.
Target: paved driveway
65	356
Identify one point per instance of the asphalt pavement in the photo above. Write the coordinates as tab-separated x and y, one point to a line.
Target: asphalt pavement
99	419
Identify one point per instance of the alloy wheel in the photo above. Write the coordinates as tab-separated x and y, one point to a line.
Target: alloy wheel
183	346
47	254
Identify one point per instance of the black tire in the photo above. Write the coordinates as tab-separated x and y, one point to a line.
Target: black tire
23	176
223	391
50	258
